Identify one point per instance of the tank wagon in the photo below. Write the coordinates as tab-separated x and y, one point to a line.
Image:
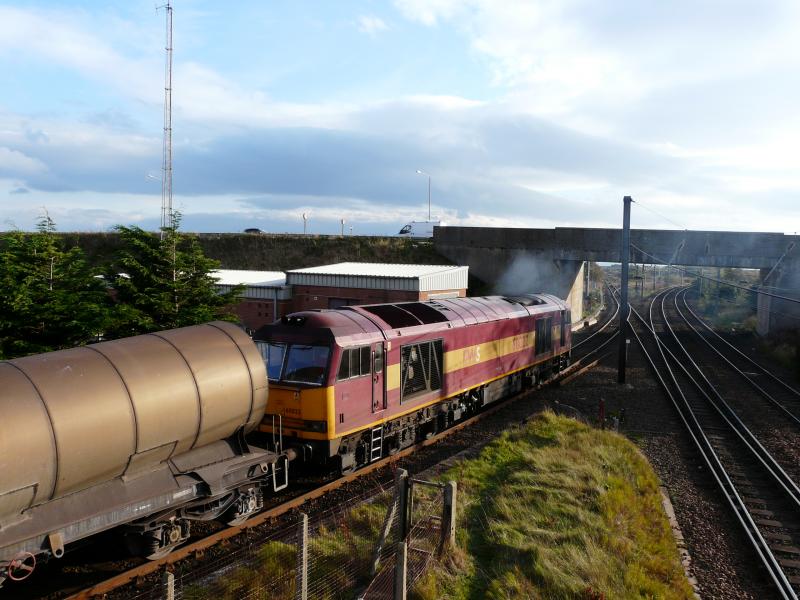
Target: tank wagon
359	382
146	432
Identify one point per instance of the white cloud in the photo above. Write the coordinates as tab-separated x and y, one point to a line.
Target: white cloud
371	25
15	162
67	39
430	12
586	63
206	96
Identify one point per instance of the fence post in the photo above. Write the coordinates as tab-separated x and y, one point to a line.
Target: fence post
168	579
401	478
449	516
301	576
402	501
400	572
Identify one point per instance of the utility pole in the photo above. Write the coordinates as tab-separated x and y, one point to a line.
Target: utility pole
166	162
624	307
586	290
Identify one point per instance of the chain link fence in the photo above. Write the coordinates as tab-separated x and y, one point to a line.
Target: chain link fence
348	551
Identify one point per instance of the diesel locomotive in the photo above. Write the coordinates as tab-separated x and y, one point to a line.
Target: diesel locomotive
353	384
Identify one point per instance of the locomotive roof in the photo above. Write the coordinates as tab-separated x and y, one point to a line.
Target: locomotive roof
358	324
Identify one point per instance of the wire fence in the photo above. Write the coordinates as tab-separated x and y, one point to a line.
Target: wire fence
424	541
346	551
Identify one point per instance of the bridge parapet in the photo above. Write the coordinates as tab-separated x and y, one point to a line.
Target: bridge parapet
548	260
701	248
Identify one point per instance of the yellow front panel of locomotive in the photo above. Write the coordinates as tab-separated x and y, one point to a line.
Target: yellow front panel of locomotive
298	405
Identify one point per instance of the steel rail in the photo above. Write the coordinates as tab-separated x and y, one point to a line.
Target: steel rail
606	324
758	366
767	396
731	418
710	457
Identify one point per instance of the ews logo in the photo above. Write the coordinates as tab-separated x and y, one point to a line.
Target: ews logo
472	355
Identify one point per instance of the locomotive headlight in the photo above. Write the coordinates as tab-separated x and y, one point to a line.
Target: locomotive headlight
316	426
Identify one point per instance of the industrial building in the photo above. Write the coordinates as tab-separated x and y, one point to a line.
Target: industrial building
265	298
348	283
268	295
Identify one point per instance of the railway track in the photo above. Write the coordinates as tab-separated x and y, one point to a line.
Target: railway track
764	498
772	388
601	336
760	399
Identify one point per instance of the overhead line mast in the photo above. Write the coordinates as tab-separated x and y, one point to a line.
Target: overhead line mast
166	162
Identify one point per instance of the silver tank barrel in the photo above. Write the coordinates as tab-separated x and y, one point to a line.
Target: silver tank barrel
74	418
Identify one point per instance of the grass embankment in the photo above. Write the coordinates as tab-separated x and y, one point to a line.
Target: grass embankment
557	509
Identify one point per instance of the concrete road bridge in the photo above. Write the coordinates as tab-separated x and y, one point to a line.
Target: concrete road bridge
552	260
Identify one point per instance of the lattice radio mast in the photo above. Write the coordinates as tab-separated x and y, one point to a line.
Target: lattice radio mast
166	163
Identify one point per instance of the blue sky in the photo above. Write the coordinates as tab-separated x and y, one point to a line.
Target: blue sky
525	113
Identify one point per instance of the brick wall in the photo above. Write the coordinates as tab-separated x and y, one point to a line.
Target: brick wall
306	297
258	312
255	313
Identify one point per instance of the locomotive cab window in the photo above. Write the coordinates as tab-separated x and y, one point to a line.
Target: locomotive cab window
273	358
420	369
306	364
355	363
544	335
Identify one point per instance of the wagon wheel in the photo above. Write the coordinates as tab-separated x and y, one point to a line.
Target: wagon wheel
21	567
242	509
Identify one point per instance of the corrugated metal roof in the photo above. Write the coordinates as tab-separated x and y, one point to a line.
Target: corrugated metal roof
259	285
375	269
382	276
251	278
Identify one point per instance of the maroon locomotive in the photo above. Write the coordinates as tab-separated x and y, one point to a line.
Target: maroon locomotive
356	383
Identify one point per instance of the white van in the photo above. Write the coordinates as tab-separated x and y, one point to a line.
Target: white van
419	229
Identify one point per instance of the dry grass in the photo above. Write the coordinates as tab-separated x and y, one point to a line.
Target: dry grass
559	510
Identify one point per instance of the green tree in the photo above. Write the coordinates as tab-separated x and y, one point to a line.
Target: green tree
51	298
164	281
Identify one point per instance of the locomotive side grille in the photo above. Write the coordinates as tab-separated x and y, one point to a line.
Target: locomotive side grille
420	368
